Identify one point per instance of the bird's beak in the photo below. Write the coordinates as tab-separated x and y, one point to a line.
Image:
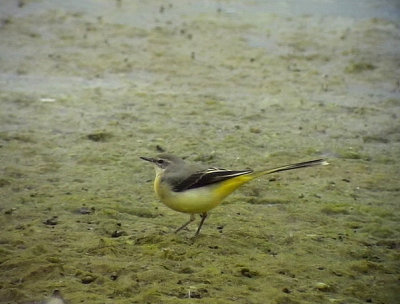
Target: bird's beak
149	159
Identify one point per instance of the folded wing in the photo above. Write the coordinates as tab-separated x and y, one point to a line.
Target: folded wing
208	177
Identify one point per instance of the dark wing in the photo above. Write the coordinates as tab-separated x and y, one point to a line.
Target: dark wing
207	177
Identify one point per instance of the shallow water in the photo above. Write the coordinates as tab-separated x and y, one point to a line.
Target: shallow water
89	86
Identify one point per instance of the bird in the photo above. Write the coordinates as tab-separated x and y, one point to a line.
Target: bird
196	189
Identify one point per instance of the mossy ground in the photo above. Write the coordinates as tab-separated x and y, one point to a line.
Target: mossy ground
85	91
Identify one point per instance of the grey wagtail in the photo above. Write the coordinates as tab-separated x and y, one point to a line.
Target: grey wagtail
193	189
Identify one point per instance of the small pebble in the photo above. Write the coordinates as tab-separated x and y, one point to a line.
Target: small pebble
322	286
85	210
87	279
114	276
246	272
118	233
51	221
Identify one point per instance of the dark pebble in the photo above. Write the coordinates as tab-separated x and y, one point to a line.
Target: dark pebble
51	221
88	279
248	273
118	233
85	210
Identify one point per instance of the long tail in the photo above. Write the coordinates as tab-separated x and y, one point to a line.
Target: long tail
311	163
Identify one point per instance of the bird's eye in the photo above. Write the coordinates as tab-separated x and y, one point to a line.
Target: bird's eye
160	161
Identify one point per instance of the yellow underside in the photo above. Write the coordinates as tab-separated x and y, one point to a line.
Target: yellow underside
199	200
203	199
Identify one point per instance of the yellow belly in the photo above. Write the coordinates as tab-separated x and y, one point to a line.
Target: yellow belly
198	200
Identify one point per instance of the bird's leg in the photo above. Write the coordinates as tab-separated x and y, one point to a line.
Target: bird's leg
192	218
203	218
